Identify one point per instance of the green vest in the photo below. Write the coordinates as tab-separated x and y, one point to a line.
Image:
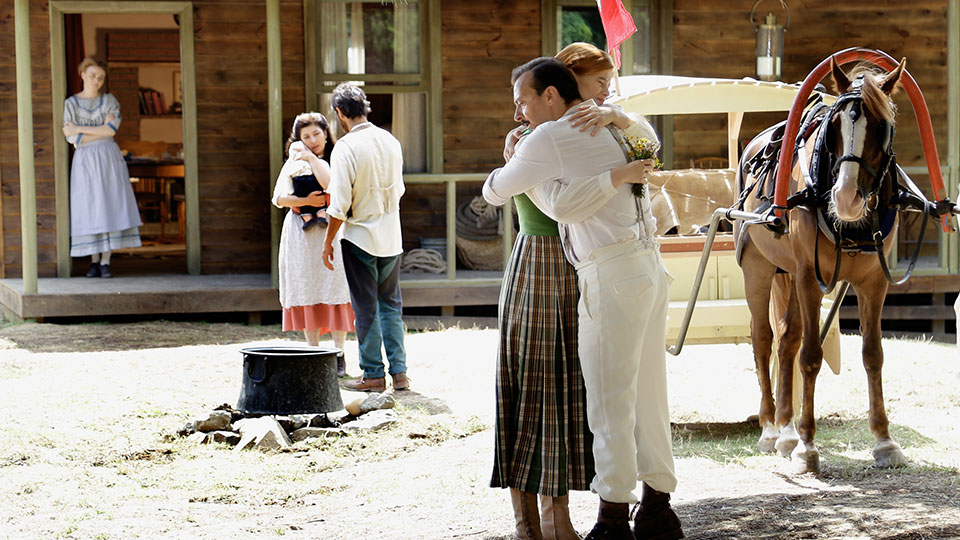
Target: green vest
533	222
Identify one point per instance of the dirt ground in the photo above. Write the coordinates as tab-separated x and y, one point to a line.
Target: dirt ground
89	412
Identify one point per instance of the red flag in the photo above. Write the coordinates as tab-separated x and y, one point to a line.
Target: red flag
617	25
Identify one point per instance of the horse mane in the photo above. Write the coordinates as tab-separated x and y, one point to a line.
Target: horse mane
877	102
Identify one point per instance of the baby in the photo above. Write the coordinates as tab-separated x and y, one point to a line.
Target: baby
305	183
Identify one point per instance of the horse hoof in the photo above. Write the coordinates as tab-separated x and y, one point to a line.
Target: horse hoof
768	438
887	454
806	461
767	445
787	440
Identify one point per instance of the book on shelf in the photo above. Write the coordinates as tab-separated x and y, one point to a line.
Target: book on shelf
152	102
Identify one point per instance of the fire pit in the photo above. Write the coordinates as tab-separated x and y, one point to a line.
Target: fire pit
289	380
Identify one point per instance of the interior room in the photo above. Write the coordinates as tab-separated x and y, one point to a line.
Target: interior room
142	54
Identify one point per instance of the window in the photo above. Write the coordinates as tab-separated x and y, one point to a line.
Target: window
379	46
579	20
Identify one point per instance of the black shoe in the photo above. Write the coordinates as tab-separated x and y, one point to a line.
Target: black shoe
654	519
105	271
613	522
610	531
94	270
341	366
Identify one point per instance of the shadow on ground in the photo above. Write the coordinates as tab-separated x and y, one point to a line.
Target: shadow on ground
91	337
877	508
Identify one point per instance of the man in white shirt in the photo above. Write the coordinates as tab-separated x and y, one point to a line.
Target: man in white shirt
608	235
366	183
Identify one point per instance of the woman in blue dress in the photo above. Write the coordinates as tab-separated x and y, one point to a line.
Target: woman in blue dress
103	210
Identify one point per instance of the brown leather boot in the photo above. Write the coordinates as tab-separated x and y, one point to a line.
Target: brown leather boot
364	384
555	519
613	522
400	381
654	519
525	511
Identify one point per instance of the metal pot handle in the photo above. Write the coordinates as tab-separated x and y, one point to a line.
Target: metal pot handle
256	368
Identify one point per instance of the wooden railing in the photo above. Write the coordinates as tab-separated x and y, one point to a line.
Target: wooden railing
451	225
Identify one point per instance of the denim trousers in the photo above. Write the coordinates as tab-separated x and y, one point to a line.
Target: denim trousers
375	294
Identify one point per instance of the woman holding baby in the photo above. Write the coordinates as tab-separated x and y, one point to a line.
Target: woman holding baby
314	299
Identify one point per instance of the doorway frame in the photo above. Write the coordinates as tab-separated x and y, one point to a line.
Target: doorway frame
61	169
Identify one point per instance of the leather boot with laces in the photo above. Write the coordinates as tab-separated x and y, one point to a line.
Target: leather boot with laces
654	519
525	512
555	518
613	522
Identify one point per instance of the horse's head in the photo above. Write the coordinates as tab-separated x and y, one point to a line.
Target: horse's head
860	134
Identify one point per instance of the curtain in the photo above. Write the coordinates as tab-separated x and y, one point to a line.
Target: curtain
409	109
75	53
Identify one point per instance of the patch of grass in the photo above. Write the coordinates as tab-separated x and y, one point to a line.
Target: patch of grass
153	412
720	442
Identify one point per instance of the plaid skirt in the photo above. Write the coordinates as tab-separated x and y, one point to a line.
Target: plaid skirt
543	444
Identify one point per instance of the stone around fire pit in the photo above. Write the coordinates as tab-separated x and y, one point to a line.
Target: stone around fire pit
264	433
293	422
372	402
224	437
303	434
215	421
372	421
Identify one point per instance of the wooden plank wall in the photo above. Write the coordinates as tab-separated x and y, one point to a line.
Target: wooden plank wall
713	40
230	39
10	258
231	47
477	99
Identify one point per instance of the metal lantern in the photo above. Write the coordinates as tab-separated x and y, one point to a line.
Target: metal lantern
770	44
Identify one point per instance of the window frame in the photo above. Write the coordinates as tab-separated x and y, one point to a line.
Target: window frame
428	81
551	21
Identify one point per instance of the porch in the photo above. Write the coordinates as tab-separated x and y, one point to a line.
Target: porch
162	294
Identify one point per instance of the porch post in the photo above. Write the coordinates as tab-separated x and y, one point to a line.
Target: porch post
28	184
274	130
953	122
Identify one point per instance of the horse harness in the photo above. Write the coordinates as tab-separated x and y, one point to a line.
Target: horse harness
820	177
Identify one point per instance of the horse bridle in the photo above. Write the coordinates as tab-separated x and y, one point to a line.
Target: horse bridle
855	98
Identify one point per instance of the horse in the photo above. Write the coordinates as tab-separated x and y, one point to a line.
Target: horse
845	171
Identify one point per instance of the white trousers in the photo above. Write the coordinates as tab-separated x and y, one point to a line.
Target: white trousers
623	311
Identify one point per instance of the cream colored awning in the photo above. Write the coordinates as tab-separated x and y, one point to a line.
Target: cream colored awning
661	94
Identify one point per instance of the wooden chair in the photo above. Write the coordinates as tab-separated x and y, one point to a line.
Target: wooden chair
709	163
150	196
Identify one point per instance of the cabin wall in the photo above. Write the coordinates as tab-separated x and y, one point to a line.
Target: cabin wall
10	258
712	40
234	158
477	100
234	177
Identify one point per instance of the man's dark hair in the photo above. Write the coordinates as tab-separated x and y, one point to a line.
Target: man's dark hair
351	100
545	72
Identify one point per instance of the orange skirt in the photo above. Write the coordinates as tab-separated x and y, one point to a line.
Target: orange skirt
323	317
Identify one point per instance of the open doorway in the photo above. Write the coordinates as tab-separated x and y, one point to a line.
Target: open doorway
142	55
148	50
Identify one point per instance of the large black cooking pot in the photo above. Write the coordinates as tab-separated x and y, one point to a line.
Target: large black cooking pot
289	380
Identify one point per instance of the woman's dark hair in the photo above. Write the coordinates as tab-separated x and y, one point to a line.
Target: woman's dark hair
546	72
311	119
351	100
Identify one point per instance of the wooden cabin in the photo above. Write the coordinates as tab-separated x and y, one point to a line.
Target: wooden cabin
438	76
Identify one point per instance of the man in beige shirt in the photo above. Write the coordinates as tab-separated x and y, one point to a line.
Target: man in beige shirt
366	183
